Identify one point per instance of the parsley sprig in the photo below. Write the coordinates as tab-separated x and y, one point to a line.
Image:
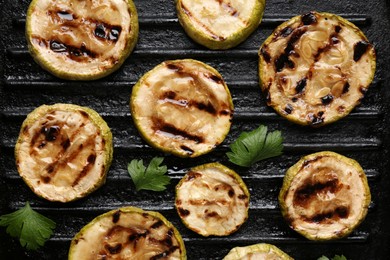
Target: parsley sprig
151	178
32	228
254	146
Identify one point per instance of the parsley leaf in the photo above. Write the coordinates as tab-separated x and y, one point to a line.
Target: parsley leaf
32	228
151	178
336	257
254	146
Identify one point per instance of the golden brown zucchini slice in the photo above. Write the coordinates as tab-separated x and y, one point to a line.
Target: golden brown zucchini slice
219	24
81	40
257	252
315	68
182	107
128	233
212	199
64	151
325	196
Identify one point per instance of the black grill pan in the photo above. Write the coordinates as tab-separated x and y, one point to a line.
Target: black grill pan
363	135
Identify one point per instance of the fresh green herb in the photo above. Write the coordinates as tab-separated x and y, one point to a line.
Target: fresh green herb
336	257
32	228
254	146
151	178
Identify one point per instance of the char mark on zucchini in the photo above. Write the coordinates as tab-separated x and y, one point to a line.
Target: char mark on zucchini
360	48
170	130
324	217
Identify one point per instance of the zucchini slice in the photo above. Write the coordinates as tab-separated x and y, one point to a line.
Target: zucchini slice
182	107
79	39
257	252
212	199
315	68
128	233
325	196
63	151
219	24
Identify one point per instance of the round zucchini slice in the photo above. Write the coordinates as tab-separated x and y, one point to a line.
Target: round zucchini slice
219	24
325	196
257	252
315	68
81	40
63	151
182	107
212	199
128	233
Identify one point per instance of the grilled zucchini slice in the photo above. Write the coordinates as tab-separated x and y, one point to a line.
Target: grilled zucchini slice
128	233
219	24
182	107
325	196
212	199
81	39
63	151
315	68
257	252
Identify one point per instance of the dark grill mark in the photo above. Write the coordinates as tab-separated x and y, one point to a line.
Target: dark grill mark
174	67
225	112
341	109
214	78
265	54
65	15
360	49
346	87
193	175
113	250
169	94
50	133
309	18
65	144
327	99
116	216
91	158
160	126
183	212
187	149
90	161
46	179
231	193
100	31
337	28
114	33
212	215
135	237
43	144
294	99
363	90
288	109
316	120
58	47
229	8
242	197
157	224
301	85
72	52
338	213
283	60
286	31
309	191
209	108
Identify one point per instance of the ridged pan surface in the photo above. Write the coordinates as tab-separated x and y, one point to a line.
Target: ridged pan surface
363	135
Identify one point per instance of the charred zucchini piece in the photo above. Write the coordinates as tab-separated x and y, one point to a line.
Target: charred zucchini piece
325	196
315	68
182	107
128	233
63	151
81	40
212	199
219	24
257	252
